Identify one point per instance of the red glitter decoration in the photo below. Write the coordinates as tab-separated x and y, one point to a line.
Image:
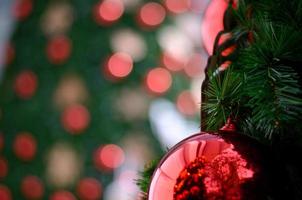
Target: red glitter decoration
62	195
5	193
32	187
75	119
3	167
22	9
26	84
25	146
89	189
58	49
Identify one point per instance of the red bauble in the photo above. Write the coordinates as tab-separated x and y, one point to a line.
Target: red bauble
25	146
209	166
5	193
26	84
62	195
75	119
32	187
89	189
58	49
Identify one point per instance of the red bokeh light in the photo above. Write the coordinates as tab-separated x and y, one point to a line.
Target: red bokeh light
109	157
158	80
89	189
26	84
75	119
120	65
108	11
3	167
195	66
172	62
32	187
58	49
151	14
213	23
10	54
177	6
1	140
5	193
186	103
22	9
25	146
62	195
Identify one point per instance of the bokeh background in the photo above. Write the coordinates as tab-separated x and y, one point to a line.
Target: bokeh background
92	90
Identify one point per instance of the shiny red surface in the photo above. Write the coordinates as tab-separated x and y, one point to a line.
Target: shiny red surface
225	168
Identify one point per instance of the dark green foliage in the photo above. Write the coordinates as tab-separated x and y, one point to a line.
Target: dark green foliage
262	90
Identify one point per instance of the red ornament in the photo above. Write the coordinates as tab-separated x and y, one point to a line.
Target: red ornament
3	167
62	195
89	189
58	49
5	193
26	84
32	187
22	9
109	157
208	166
25	146
75	119
151	15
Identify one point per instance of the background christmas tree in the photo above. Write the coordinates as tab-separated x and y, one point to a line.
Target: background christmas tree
78	82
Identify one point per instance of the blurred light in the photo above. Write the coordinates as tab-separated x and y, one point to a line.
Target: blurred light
32	187
71	90
158	80
58	49
131	5
58	18
22	9
213	23
89	189
26	84
130	42
109	11
1	138
172	63
9	54
152	14
198	6
109	157
25	146
186	103
120	65
132	104
62	195
3	167
196	89
175	42
75	119
195	66
169	126
177	6
63	165
5	193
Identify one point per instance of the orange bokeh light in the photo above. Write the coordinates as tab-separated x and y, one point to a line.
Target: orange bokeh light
158	80
152	14
120	65
109	11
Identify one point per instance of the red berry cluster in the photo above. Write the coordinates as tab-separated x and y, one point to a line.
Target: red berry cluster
189	185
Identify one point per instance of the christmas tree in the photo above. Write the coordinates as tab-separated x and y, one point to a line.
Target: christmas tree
78	81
